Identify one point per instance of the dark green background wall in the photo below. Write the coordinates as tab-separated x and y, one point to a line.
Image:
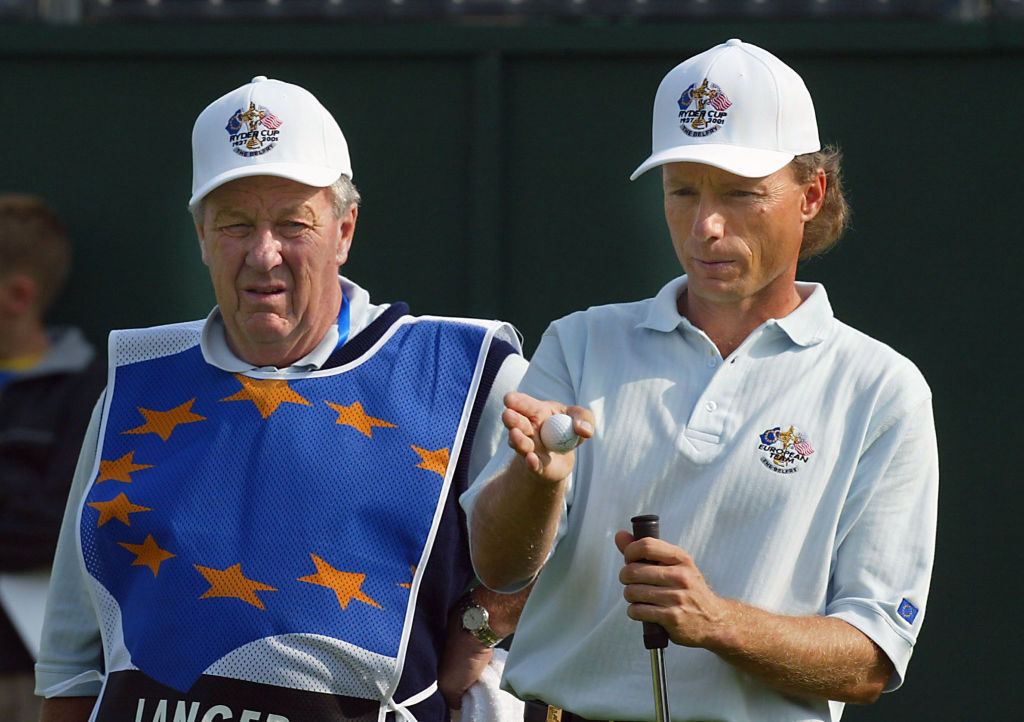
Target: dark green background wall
494	165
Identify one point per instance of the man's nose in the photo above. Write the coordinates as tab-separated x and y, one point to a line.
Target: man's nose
708	223
265	252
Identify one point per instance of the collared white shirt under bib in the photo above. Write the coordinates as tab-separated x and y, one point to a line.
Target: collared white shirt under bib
800	473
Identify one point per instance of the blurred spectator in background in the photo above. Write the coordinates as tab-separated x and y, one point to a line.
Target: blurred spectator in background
50	379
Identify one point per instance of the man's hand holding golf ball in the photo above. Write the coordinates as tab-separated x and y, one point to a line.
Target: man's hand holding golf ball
546	433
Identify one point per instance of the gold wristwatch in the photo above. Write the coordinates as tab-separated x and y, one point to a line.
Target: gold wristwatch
474	619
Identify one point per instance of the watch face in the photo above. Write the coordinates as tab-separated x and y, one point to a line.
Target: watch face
474	618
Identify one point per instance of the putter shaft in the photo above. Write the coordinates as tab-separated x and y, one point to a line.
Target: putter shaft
661	713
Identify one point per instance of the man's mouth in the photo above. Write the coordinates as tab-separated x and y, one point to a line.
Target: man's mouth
265	292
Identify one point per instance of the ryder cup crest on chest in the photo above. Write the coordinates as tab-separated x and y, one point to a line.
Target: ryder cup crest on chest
736	107
266	127
784	449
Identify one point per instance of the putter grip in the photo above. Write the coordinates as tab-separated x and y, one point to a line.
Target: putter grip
655	636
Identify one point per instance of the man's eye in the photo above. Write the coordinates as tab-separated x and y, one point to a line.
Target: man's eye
235	229
293	229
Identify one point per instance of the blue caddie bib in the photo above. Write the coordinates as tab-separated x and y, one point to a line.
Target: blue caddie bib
272	527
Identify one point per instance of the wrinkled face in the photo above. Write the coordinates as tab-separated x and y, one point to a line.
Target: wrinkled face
738	239
274	247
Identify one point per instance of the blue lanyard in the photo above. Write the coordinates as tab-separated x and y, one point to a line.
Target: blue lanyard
343	322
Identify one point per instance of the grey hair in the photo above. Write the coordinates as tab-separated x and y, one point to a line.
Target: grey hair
346	195
822	231
343	190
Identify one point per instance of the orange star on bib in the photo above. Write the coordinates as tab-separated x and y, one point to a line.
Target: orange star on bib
358	419
163	423
267	394
346	585
148	554
117	508
120	469
436	461
231	582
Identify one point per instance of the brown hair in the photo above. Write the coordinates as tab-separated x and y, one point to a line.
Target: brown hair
822	231
34	241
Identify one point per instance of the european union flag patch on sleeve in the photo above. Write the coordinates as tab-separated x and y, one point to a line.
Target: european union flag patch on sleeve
908	611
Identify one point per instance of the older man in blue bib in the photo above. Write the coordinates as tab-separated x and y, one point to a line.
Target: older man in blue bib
263	523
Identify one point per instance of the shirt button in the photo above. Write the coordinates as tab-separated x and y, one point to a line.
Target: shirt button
710	406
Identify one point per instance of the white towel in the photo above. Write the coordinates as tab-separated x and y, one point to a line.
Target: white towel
485	701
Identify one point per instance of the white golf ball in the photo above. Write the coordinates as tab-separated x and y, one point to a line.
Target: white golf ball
557	433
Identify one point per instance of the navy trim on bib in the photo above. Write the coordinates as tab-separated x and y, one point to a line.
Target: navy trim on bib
365	339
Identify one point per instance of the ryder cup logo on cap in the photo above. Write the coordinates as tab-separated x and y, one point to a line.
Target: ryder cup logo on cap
696	118
266	127
736	107
247	136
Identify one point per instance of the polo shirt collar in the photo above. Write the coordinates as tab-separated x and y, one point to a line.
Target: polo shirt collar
810	322
807	325
663	312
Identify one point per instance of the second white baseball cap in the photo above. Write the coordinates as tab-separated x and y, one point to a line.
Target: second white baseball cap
736	107
266	127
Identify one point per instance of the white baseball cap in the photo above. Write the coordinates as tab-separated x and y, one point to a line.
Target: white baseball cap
266	127
736	107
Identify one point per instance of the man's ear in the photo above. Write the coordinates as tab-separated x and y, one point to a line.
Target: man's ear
348	230
201	235
814	196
